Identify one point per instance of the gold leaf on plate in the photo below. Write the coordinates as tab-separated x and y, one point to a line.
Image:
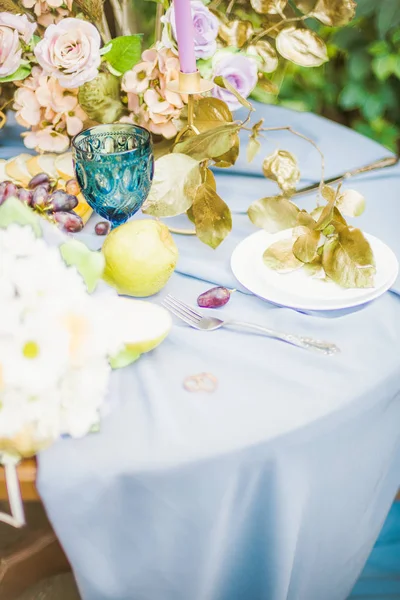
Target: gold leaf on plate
301	46
279	257
265	55
271	7
209	144
212	217
281	166
236	33
348	259
176	178
305	246
273	214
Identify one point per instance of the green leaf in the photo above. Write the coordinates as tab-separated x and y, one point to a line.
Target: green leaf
89	264
373	106
384	66
13	211
124	52
224	83
176	179
209	144
212	217
124	358
279	257
348	259
273	214
388	16
352	96
359	65
21	73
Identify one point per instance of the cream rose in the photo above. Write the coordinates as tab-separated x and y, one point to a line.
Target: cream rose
70	52
12	28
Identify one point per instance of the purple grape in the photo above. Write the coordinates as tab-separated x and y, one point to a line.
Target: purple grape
10	190
61	201
3	186
102	228
68	221
40	197
39	179
214	298
25	196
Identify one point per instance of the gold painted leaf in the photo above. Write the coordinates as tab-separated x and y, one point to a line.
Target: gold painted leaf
207	177
212	217
209	113
333	13
273	214
305	247
326	216
279	257
267	86
229	158
253	148
315	269
351	203
236	33
281	166
338	218
348	259
265	55
176	179
272	7
224	83
328	193
306	220
302	47
209	144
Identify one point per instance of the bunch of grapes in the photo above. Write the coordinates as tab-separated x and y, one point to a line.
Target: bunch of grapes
41	195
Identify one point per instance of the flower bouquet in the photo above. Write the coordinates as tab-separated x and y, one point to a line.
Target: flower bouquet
58	342
67	71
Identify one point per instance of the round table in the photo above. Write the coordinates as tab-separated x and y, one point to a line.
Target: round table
275	486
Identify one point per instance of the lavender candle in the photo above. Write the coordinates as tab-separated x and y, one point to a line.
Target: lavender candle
185	35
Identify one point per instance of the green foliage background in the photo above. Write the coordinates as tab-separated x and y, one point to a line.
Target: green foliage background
360	86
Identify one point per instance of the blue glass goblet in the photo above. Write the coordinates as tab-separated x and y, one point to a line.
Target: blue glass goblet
114	166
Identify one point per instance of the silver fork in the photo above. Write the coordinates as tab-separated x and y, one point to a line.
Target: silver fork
198	321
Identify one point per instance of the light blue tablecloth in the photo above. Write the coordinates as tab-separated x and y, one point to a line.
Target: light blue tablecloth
276	486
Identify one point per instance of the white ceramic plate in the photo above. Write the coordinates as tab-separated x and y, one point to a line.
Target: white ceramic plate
297	289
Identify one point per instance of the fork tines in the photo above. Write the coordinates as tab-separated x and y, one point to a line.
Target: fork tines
181	310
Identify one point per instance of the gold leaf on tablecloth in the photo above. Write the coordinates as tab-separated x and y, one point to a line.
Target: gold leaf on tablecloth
333	13
224	83
273	214
351	203
265	55
209	144
209	113
279	257
236	33
253	148
176	178
272	7
302	47
212	217
281	166
348	258
306	244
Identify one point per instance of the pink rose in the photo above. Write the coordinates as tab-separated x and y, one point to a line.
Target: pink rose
70	52
12	28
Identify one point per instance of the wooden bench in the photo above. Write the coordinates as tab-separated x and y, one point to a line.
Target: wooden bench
38	554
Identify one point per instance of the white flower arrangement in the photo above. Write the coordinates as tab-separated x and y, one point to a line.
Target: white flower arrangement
54	349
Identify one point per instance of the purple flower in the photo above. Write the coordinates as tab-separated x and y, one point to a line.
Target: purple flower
206	27
240	71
